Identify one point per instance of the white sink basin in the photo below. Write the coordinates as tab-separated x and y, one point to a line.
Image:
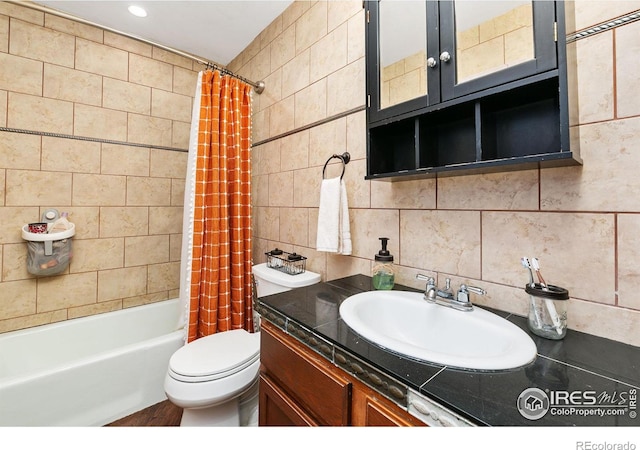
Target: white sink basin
405	323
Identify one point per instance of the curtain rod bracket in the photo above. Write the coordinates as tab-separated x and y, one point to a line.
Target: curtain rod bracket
259	87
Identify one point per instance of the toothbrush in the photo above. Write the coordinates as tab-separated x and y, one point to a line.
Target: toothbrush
548	302
525	263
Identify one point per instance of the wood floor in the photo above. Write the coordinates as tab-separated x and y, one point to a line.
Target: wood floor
163	414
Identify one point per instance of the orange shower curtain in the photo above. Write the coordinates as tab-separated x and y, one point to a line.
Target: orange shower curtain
220	289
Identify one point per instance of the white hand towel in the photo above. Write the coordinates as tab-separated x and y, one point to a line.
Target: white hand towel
334	233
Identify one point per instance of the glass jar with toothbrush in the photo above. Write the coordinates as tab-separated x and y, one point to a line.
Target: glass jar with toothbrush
547	310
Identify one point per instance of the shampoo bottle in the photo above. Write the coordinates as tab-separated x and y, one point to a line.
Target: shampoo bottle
383	270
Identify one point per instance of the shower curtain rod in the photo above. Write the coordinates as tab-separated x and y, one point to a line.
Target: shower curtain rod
258	86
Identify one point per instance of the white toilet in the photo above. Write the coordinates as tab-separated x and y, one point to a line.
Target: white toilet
215	378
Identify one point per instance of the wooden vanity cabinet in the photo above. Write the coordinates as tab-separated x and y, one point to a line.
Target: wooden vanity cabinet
298	387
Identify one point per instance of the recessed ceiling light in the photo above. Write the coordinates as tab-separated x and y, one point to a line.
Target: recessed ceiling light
137	11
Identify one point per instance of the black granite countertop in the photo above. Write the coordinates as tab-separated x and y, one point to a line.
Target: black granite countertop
591	381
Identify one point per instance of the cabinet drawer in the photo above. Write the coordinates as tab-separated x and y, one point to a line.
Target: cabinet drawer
308	379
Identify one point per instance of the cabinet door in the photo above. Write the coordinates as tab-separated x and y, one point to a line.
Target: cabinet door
487	43
278	409
400	34
370	409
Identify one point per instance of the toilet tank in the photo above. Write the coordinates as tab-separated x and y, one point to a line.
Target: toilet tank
271	281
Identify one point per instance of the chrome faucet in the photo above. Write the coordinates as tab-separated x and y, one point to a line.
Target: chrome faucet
445	297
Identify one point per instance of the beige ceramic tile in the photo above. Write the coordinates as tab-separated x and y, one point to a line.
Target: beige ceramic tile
414	194
313	226
307	182
15	218
267	223
595	78
281	117
312	26
294	12
169	164
260	124
124	96
101	59
124	160
572	84
149	130
16	267
42	114
260	66
628	257
283	48
341	11
41	44
260	190
143	191
184	81
147	299
19	151
175	247
326	140
3	109
316	261
73	28
97	254
356	33
67	155
4	34
357	135
339	266
358	189
162	277
170	106
346	88
329	54
127	44
294	151
94	308
144	250
32	188
72	85
86	220
18	299
272	94
32	321
165	219
67	291
310	104
272	30
19	12
2	185
281	189
180	136
443	241
606	321
149	72
296	74
367	225
129	221
177	191
265	159
508	190
99	190
20	74
172	58
589	13
294	226
101	123
571	247
627	66
607	180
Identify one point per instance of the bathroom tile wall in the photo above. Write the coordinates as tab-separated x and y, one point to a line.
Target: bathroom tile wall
60	76
581	222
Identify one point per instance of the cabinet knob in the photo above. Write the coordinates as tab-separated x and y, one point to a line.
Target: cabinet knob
445	56
431	62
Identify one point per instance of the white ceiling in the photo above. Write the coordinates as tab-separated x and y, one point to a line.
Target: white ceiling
215	30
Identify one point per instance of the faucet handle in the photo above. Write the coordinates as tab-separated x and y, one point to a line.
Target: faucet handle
463	293
430	280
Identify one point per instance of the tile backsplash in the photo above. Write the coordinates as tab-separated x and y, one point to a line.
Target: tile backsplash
581	222
67	78
64	77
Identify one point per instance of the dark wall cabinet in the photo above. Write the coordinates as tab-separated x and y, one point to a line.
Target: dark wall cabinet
465	87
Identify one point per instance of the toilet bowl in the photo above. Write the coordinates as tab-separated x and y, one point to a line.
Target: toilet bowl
215	378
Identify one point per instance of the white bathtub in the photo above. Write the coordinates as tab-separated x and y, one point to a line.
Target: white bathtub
88	371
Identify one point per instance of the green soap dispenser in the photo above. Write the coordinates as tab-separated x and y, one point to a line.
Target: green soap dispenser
383	270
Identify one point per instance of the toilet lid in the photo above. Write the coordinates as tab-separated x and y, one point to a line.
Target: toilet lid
215	356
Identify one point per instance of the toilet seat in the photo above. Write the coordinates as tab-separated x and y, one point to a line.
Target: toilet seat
214	357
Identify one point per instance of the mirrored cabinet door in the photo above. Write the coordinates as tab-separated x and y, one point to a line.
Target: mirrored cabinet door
493	42
400	35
